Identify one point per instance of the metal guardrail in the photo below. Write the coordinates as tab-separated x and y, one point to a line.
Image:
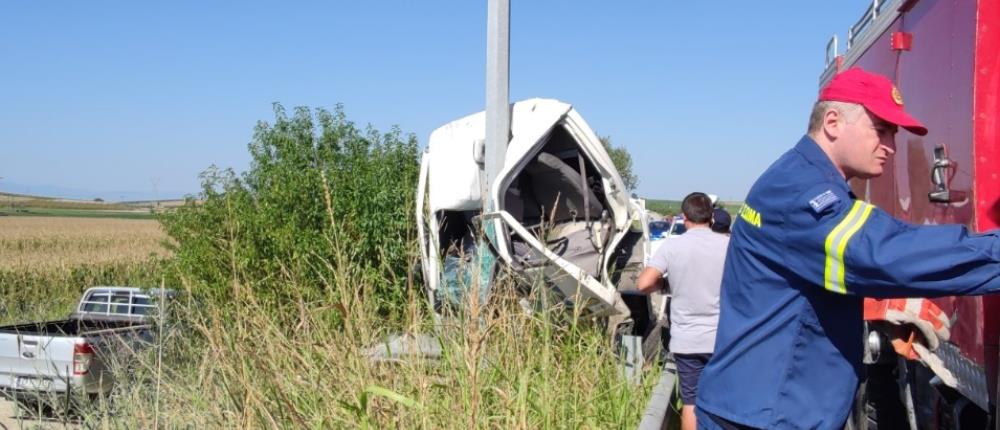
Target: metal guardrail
657	413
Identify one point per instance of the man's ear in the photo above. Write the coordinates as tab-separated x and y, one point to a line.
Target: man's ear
832	124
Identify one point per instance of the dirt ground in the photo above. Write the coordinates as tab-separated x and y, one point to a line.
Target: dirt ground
9	420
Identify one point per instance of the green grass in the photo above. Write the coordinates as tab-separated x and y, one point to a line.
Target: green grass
83	213
664	207
673	207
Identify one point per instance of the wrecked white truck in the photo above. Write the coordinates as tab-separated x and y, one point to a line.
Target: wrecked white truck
560	216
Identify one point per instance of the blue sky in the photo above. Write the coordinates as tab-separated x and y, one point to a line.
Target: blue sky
106	99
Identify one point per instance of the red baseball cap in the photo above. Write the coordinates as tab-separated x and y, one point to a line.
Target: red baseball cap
875	92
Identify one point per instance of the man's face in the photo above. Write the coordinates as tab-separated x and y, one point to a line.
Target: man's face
865	144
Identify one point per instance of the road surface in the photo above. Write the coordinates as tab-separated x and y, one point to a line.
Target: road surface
9	421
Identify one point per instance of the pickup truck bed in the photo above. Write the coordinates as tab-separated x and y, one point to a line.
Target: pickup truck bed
68	327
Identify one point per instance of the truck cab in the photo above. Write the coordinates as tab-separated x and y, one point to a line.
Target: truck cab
558	218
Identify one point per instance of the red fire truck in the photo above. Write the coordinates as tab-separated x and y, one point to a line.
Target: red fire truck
944	56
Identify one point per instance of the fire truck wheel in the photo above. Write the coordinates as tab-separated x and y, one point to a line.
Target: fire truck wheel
877	403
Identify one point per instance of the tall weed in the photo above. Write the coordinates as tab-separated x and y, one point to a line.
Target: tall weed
500	368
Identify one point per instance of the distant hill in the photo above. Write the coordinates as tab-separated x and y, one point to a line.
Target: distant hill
12	204
14	187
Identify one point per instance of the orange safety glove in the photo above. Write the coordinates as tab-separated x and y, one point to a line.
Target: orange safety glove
912	324
929	320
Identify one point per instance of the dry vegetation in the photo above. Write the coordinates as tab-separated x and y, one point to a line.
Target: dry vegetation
39	243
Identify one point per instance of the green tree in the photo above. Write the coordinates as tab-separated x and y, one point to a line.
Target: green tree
623	162
322	203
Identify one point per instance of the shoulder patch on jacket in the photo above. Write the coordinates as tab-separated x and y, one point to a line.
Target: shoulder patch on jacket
823	201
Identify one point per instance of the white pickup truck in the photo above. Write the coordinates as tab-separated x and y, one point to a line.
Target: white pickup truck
49	361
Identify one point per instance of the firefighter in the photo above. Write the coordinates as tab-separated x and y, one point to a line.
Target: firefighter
805	251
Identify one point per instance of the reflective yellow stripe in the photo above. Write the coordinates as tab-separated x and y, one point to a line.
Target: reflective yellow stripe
836	244
829	274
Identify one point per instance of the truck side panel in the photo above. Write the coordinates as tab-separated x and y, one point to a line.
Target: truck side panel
882	61
949	78
986	131
35	362
935	78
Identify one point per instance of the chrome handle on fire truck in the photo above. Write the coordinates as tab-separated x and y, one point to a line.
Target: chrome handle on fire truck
940	178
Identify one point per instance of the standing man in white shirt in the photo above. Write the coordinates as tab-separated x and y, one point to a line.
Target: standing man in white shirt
692	263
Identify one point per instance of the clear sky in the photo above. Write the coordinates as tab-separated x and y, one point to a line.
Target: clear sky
106	99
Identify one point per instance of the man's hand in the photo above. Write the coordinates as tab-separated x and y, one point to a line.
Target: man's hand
649	280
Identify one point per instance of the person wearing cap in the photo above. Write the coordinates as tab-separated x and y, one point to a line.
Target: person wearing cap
803	254
692	263
721	220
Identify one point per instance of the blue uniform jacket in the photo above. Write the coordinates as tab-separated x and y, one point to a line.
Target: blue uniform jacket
802	255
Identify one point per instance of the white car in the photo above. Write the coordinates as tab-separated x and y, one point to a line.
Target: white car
662	230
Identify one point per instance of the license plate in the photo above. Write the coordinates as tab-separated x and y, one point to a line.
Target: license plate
30	383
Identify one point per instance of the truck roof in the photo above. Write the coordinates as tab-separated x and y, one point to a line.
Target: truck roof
117	301
151	292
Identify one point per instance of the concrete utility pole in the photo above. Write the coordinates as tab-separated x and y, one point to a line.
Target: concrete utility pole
497	103
497	89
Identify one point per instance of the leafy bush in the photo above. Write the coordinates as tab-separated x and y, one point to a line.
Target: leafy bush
316	182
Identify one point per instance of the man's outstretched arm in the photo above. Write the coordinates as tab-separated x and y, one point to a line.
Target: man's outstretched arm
650	280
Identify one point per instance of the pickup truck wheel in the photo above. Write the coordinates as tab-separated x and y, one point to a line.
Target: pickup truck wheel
30	408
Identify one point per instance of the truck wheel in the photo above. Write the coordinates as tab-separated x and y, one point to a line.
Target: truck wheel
877	403
858	419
